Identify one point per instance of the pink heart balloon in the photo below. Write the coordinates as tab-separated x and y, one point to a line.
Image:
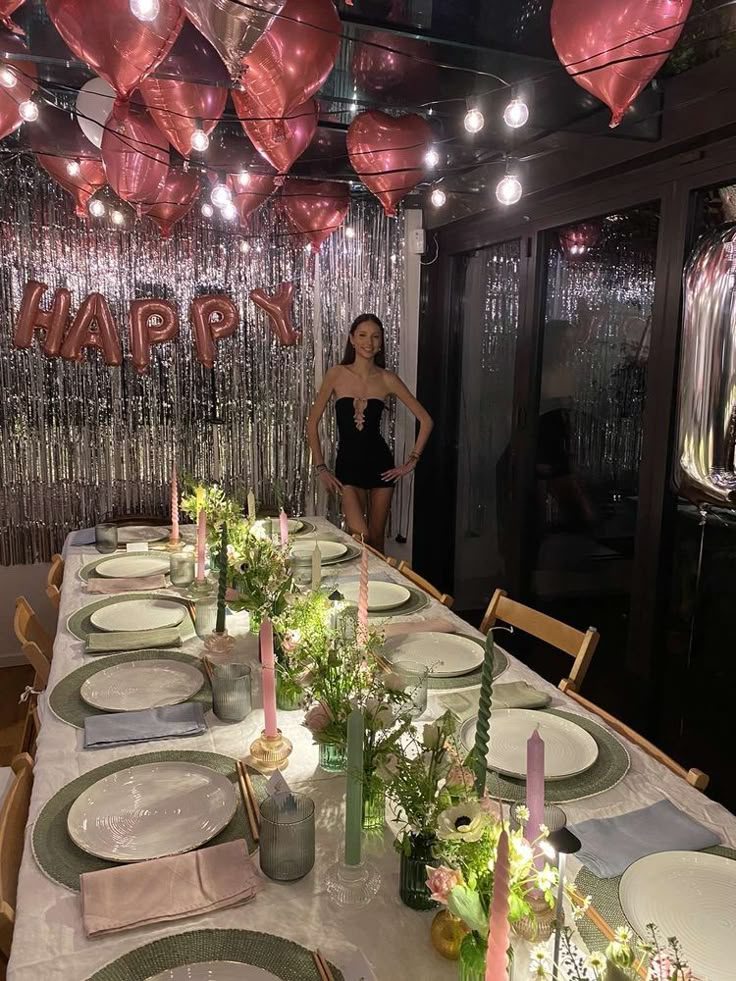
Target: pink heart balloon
387	152
279	142
315	208
8	7
25	83
175	199
136	158
613	48
112	41
255	193
58	142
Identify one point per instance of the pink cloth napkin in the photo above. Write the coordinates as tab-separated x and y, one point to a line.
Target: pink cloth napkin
125	585
426	626
167	888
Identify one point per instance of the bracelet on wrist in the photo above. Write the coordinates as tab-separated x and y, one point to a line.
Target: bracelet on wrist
320	468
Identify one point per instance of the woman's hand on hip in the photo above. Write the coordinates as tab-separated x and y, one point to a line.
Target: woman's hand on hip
396	473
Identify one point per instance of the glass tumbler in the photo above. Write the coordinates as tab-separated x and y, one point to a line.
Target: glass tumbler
300	564
182	567
412	678
287	837
106	538
231	696
205	614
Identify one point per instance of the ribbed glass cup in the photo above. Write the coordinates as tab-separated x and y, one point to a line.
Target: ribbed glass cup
182	567
287	837
231	694
205	614
106	538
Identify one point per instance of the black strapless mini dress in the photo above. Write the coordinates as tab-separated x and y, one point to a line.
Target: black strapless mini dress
362	453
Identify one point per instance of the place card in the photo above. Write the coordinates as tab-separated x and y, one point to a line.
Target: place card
136	547
277	787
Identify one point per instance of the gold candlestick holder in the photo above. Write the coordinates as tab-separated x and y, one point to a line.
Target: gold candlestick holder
175	545
269	753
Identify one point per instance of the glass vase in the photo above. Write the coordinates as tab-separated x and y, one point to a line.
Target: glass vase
468	972
413	873
289	696
332	757
472	963
374	805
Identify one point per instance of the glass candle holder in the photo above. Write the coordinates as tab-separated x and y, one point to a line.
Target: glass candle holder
301	568
205	615
287	837
412	678
182	567
231	693
106	538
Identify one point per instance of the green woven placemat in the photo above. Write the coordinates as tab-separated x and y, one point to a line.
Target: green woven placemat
81	626
416	602
609	769
604	896
68	705
284	958
60	859
500	663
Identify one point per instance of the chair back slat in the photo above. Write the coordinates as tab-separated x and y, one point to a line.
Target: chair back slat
28	628
406	570
13	819
374	551
56	572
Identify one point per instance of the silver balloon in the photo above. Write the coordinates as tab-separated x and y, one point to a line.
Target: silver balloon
705	472
232	27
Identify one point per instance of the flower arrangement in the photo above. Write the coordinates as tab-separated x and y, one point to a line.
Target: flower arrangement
218	507
259	576
302	635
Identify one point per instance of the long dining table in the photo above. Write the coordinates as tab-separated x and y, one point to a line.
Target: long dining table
49	940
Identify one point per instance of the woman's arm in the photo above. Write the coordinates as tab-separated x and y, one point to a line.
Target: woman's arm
313	420
398	388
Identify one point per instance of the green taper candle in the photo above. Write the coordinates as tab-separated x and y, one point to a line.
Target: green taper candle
222	585
354	800
480	750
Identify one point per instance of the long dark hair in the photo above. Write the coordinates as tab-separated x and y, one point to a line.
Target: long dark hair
349	356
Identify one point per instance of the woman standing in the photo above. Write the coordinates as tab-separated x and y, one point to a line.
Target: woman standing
364	471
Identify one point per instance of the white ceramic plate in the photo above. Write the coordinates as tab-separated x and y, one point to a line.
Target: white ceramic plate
141	533
381	595
143	614
215	971
329	550
691	896
446	655
151	810
137	685
568	748
133	566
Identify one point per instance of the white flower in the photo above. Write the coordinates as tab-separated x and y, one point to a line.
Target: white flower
546	879
464	822
431	736
623	935
544	830
597	961
522	813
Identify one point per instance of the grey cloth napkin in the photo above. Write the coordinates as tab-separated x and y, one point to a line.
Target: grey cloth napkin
121	728
132	640
514	694
610	845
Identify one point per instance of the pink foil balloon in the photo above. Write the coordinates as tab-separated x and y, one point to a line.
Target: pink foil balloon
93	326
393	67
282	141
58	142
387	152
177	104
136	158
232	26
213	317
151	322
25	85
278	307
248	198
52	321
8	7
175	199
292	59
315	209
112	41
613	48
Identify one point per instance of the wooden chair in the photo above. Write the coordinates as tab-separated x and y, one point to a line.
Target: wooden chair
54	580
35	642
580	646
13	819
406	570
696	778
374	551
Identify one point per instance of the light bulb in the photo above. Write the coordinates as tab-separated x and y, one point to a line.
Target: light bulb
509	189
244	178
117	218
145	9
200	141
96	208
516	113
474	120
207	210
220	195
431	158
72	168
349	232
244	246
28	111
8	78
438	197
229	212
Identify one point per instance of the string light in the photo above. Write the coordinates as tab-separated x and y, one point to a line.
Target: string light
244	178
349	232
73	168
516	113
229	211
8	78
474	120
431	157
207	210
28	111
220	195
244	246
145	10
509	189
438	197
117	218
96	208
200	141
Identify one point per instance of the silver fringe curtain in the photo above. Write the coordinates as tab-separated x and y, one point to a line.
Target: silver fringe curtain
78	442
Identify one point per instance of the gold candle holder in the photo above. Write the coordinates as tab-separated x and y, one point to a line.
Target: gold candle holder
175	545
269	753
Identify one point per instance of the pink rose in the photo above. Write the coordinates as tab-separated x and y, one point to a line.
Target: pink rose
318	718
442	881
491	808
460	776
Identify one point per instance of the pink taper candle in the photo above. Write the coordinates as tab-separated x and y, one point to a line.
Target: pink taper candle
268	678
498	926
535	792
174	507
284	525
363	598
201	542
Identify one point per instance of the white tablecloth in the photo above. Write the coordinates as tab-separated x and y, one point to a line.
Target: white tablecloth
49	941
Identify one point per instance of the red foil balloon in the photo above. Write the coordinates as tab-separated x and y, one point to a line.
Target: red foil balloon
292	59
136	158
613	48
315	208
179	106
25	84
32	318
278	307
175	199
151	322
112	41
281	141
59	143
94	327
213	317
387	152
8	7
250	197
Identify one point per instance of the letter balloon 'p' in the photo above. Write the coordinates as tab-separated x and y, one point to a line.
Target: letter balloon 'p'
151	322
213	317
